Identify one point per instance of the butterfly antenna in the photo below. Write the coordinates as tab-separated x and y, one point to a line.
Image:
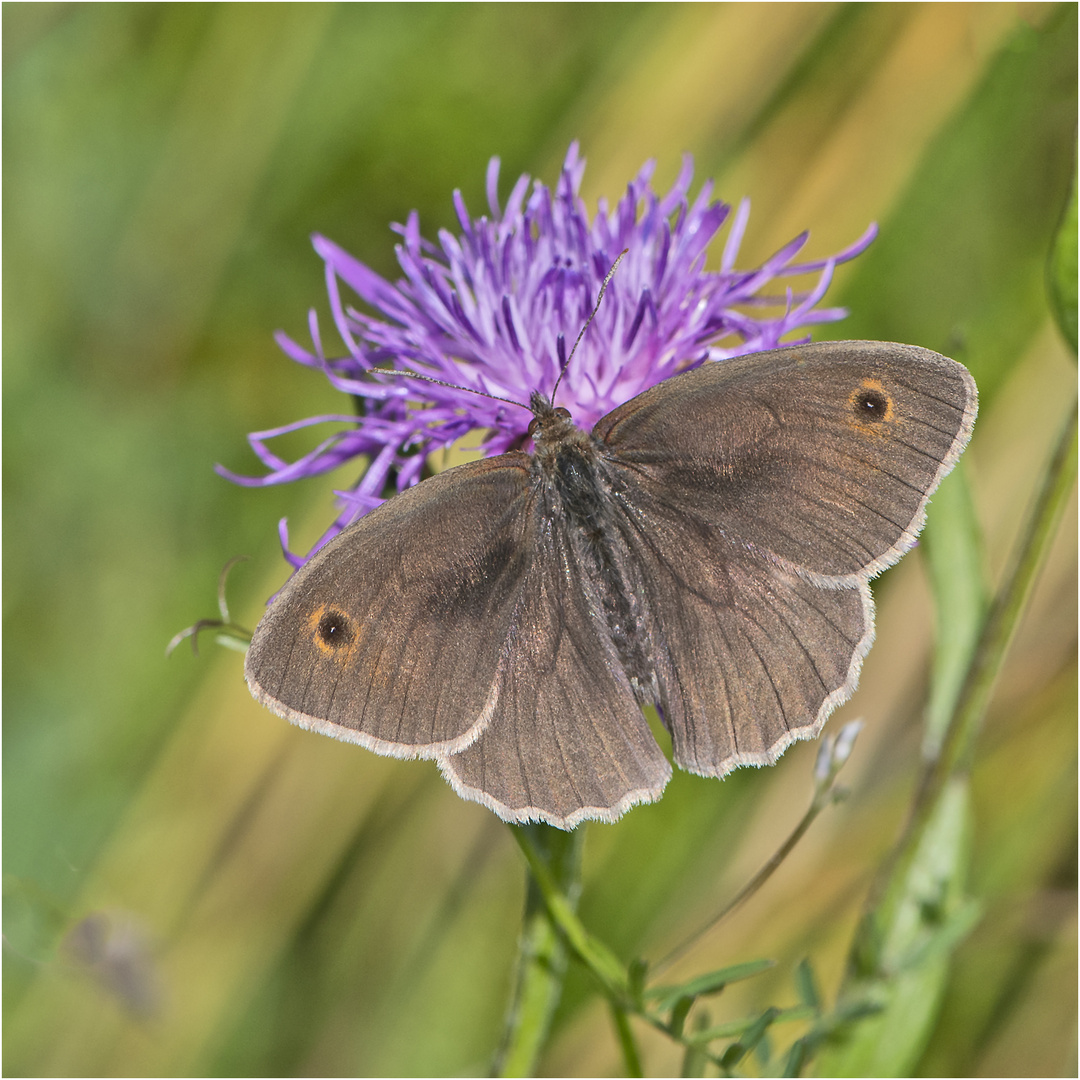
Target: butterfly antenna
448	385
610	275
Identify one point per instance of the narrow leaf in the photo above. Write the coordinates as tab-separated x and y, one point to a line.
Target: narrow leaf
735	1028
806	985
710	983
679	1012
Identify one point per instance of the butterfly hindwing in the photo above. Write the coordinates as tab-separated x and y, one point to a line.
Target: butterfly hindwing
749	656
568	740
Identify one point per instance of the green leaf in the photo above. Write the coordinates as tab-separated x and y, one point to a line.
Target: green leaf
796	1058
679	1012
755	1033
735	1028
806	985
710	983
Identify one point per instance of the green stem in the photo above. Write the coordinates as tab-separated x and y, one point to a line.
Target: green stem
596	956
627	1042
821	799
1001	622
542	950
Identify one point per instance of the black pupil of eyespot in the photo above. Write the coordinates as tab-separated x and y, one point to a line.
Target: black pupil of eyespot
334	628
872	404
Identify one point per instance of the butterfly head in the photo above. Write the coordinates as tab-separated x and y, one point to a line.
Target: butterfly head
550	425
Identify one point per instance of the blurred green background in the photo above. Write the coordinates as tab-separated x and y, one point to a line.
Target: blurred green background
192	886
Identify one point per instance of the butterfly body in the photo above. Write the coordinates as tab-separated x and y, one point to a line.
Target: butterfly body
572	485
706	548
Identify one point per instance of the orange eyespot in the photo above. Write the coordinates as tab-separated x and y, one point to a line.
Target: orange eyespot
871	404
331	630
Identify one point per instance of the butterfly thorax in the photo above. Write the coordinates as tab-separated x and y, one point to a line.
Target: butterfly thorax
568	467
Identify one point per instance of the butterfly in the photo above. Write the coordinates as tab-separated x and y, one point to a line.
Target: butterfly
706	549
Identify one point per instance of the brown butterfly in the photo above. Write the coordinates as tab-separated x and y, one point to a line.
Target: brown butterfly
706	549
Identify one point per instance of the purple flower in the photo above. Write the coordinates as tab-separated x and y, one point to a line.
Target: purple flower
497	308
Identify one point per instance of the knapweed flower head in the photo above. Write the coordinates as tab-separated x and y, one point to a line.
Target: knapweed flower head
497	308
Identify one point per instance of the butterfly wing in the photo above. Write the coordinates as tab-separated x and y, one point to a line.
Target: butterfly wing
454	622
569	740
760	495
749	656
393	634
820	457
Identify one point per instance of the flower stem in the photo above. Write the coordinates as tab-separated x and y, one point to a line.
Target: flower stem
1008	606
561	908
542	951
824	796
627	1042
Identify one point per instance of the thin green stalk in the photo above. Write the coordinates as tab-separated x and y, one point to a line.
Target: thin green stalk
833	752
596	956
627	1042
542	949
820	801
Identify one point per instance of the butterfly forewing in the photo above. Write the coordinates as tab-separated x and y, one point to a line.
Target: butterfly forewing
821	457
393	634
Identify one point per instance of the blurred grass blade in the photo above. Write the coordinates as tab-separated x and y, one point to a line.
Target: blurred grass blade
953	546
1004	615
903	974
1063	270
